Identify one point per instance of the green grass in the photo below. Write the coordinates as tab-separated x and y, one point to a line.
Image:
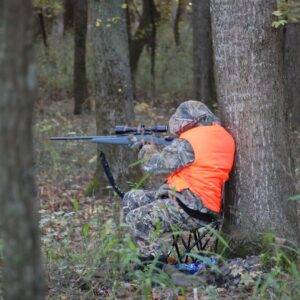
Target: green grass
101	258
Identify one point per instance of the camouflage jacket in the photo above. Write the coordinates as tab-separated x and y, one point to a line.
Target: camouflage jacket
171	158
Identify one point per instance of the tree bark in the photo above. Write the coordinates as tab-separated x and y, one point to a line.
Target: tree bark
204	87
81	100
68	14
43	27
249	73
22	274
178	13
144	33
292	70
114	99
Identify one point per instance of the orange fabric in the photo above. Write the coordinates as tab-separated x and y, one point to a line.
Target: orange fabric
214	153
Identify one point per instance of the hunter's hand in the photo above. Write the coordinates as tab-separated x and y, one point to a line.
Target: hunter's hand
141	143
136	144
147	150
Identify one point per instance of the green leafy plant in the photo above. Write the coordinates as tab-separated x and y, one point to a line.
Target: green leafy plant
287	12
281	259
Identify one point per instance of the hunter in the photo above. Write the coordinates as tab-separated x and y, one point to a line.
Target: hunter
196	164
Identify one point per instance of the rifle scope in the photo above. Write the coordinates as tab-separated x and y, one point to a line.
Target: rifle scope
119	129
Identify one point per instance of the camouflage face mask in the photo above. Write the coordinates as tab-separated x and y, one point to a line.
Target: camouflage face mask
190	114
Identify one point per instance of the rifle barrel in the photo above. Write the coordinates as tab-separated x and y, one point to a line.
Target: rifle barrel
117	139
75	138
125	140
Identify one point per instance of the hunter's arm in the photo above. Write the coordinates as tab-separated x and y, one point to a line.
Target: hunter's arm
171	158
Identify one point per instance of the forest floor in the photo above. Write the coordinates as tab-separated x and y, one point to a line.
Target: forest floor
72	224
83	237
80	236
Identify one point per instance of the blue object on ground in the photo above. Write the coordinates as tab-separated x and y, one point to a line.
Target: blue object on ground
192	268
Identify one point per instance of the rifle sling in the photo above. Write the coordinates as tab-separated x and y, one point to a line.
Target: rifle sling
109	175
206	217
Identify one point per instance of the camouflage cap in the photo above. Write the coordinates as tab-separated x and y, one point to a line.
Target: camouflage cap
190	114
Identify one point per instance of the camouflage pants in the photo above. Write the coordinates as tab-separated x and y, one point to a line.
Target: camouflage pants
147	216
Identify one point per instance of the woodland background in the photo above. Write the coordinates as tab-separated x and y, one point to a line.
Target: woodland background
103	63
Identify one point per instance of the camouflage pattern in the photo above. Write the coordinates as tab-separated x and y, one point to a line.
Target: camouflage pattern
239	273
190	114
136	198
144	210
179	153
171	158
159	215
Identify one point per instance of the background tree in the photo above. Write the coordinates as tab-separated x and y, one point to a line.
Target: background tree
249	72
80	80
22	275
145	32
42	27
179	9
114	99
204	88
68	14
47	13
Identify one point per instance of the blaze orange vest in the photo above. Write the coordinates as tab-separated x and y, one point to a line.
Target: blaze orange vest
214	153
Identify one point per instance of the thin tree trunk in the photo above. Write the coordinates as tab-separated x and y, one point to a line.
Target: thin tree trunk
179	10
22	275
204	87
81	100
152	45
249	72
68	14
43	28
114	99
144	33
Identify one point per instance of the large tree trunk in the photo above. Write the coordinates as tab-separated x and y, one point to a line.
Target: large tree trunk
22	275
114	100
249	72
292	70
204	87
80	81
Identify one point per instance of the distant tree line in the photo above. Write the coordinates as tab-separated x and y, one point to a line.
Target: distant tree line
143	17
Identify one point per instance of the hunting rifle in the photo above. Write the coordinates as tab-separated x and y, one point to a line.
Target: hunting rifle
124	135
